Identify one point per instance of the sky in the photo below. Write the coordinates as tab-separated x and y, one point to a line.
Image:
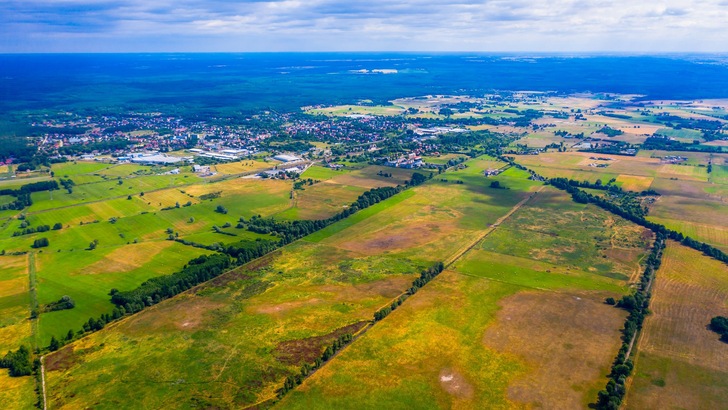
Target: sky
632	26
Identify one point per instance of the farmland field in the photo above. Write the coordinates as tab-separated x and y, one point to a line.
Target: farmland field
681	363
298	295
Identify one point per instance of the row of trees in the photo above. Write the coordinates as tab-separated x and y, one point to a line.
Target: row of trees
32	187
289	231
40	228
637	305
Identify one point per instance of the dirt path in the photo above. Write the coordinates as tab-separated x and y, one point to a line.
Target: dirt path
42	382
492	228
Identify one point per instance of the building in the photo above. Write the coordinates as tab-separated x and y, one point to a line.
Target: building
156	159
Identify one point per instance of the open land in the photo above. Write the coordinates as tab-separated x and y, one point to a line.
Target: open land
519	312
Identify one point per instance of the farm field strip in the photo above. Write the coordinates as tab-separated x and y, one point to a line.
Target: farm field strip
680	362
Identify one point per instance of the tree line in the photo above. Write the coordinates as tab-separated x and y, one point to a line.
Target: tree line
637	305
22	194
425	276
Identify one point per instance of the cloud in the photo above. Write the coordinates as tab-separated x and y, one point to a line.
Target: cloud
300	25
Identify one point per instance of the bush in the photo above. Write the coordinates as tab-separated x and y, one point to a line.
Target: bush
40	243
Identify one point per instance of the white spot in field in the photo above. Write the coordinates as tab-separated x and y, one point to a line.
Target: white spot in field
446	378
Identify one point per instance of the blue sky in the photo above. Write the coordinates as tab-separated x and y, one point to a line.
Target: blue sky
372	25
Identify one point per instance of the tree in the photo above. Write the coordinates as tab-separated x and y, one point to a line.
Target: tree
221	209
40	243
495	184
57	226
55	344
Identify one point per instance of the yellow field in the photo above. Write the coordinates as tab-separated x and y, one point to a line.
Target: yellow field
635	183
241	167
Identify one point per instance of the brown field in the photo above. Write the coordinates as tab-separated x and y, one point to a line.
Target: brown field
240	186
681	363
532	326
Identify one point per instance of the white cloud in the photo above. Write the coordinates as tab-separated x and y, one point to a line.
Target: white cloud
462	25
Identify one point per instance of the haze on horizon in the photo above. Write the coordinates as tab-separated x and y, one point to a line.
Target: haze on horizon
375	25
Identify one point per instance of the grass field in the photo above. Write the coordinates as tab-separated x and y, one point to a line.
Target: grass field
507	327
87	277
681	363
14	302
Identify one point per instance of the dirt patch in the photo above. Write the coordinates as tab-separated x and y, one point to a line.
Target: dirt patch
567	341
455	384
297	352
61	360
415	233
186	312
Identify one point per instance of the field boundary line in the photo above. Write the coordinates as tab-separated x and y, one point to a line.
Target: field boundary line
42	382
452	259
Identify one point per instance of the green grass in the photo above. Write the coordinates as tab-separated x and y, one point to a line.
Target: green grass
320	173
357	217
87	277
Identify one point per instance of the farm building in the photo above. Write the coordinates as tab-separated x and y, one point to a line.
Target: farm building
157	159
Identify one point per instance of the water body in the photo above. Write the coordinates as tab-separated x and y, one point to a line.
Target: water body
222	83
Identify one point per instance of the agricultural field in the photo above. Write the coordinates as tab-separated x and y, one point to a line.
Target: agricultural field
496	317
254	326
15	327
680	362
129	234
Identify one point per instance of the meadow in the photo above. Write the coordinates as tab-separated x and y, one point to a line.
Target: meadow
681	363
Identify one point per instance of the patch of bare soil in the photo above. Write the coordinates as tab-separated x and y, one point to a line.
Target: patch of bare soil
297	352
567	341
455	384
